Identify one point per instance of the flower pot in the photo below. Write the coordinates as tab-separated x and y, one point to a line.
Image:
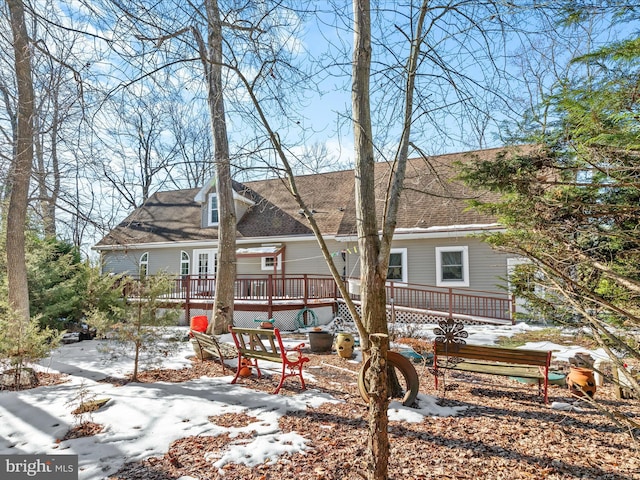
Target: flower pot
344	345
320	341
581	381
245	368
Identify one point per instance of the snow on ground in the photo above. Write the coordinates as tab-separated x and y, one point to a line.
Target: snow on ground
142	419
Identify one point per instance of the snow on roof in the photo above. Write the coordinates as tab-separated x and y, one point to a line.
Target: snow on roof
445	228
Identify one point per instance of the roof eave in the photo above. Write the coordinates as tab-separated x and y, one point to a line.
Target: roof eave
435	232
208	243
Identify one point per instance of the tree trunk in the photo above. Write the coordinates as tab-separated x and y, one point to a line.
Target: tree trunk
372	276
21	166
226	267
378	405
48	181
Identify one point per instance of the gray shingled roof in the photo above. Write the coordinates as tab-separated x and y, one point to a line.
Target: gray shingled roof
431	198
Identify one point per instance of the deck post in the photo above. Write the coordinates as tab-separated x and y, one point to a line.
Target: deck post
391	297
270	296
187	300
305	295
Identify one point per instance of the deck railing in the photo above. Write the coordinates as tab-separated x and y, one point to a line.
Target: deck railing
460	302
278	288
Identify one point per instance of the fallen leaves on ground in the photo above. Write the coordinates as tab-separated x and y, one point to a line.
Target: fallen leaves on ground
506	432
85	429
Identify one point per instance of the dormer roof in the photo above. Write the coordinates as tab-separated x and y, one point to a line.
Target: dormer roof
210	186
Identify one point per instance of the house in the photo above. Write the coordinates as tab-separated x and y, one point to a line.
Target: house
435	247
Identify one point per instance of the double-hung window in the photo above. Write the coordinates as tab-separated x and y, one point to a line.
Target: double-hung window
213	210
452	266
397	270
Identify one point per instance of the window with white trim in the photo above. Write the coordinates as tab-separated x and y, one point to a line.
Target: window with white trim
268	263
452	266
204	262
397	270
185	262
213	217
143	264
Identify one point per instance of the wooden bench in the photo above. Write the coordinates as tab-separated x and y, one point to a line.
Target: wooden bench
255	344
209	344
508	362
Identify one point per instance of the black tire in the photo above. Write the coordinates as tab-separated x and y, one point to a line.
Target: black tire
406	369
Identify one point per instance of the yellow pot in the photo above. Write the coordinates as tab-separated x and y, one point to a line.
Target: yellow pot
344	345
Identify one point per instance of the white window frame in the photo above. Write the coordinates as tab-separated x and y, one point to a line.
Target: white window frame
143	263
276	258
211	262
210	209
440	282
404	266
185	259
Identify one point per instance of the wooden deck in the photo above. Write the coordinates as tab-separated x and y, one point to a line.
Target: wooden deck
271	293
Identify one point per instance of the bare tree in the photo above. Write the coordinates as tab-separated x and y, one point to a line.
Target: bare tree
374	248
57	113
211	56
374	253
192	131
228	42
53	206
21	167
142	147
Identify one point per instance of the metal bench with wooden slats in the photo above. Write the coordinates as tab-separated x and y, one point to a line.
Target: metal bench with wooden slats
508	362
255	344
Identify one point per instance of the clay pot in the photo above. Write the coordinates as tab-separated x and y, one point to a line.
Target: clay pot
245	368
344	345
581	381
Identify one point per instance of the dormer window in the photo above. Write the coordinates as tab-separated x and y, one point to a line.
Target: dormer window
208	200
213	210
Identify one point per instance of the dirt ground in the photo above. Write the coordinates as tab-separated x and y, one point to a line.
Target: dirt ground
506	432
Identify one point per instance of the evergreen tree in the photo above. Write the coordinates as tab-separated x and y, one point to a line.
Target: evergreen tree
138	328
571	201
57	281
